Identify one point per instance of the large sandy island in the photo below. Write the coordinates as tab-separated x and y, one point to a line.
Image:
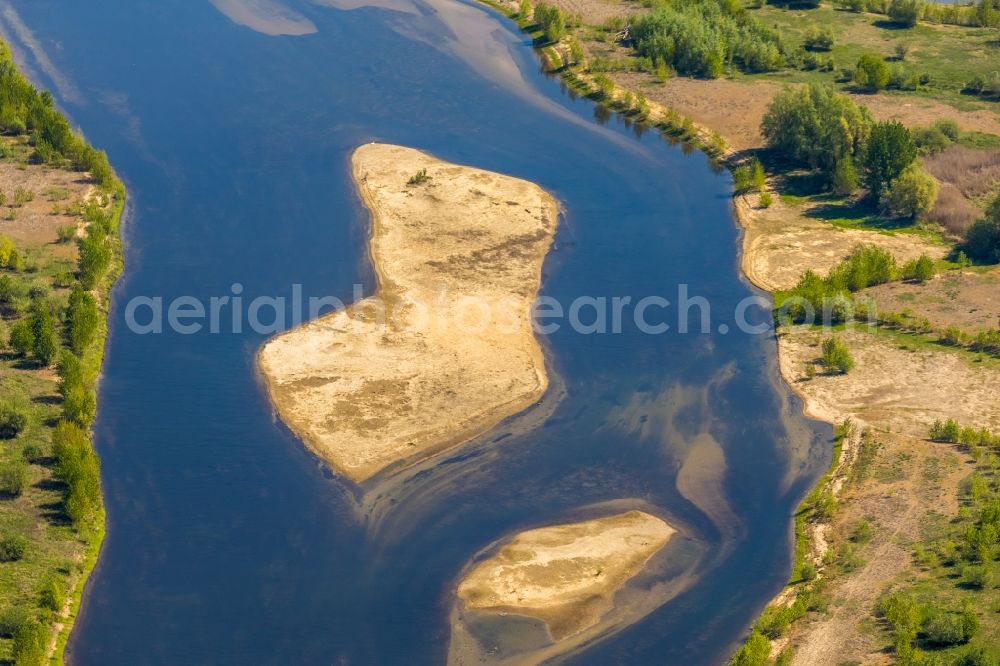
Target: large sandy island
566	575
445	349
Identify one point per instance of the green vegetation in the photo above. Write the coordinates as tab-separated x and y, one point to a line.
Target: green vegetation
871	73
704	37
419	178
551	20
52	312
836	357
816	127
890	149
982	241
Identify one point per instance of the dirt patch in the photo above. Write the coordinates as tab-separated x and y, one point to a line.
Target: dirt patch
967	300
566	575
781	243
445	350
897	499
893	387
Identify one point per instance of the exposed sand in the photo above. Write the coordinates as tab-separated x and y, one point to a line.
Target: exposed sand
566	575
459	261
781	243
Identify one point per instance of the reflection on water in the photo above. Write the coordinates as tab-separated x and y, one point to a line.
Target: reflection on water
228	543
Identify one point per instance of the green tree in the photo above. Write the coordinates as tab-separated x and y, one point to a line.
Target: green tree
45	345
82	319
871	72
845	177
836	357
77	466
905	12
22	339
551	20
890	150
14	477
912	194
816	126
755	652
982	239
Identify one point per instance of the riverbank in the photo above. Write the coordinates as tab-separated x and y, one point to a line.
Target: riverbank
902	385
444	350
60	255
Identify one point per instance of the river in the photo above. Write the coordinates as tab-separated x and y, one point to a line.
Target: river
227	542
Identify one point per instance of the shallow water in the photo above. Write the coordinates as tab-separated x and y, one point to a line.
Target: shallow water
227	542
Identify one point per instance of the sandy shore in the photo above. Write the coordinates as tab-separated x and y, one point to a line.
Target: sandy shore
566	575
445	349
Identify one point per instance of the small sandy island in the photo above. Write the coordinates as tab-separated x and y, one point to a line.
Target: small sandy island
445	349
566	575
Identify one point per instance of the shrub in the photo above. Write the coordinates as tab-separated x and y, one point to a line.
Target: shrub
53	594
945	431
66	234
930	140
551	20
901	49
82	319
766	200
836	357
755	652
13	547
977	576
819	39
871	73
866	266
14	477
32	453
419	178
918	270
11	619
949	128
749	176
845	177
910	195
945	628
905	12
13	419
863	532
982	240
77	466
30	647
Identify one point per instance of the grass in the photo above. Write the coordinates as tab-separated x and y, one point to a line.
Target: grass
949	55
57	548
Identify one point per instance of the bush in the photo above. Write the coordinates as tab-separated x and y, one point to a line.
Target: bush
949	128
14	477
766	200
905	12
930	140
551	20
943	628
871	73
819	39
845	177
977	576
77	466
749	176
836	357
82	319
982	240
918	270
53	594
11	619
22	339
13	419
66	234
30	645
755	652
912	194
945	431
13	547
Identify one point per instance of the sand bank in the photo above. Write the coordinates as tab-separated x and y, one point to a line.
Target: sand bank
566	575
445	348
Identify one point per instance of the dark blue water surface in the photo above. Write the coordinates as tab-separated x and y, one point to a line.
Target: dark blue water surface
228	543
